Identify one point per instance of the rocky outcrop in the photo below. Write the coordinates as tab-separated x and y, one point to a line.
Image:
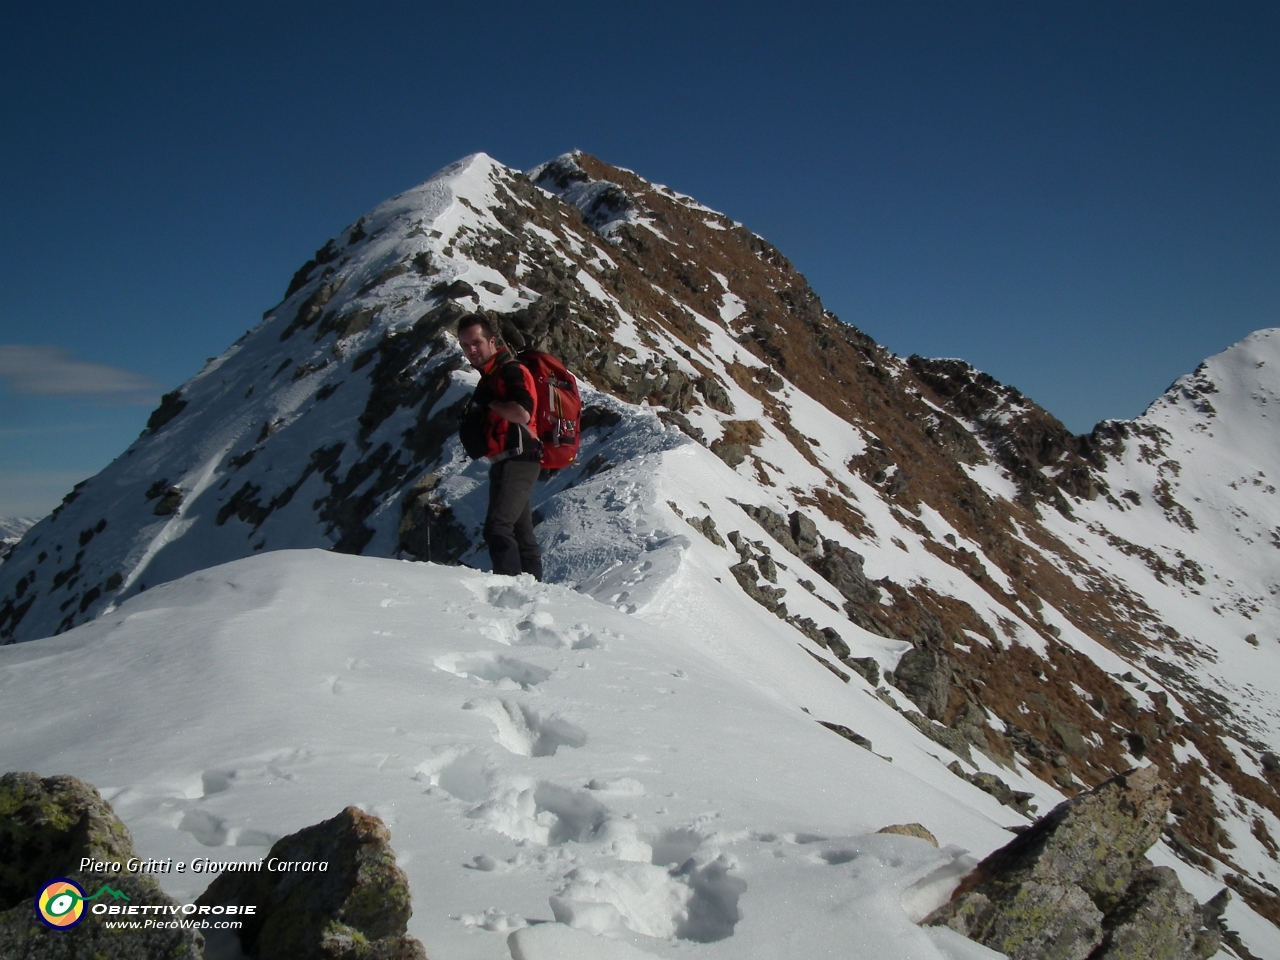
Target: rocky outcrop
47	827
1024	438
428	529
842	568
171	404
707	527
804	533
1076	885
747	574
357	908
1019	800
774	524
924	674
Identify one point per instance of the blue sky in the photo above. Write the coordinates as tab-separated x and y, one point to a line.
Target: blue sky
1080	198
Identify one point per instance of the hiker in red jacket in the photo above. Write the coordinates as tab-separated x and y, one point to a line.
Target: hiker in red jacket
496	425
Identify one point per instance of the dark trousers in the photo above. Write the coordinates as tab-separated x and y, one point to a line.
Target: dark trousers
508	527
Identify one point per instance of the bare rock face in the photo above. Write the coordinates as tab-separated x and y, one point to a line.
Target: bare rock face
1157	919
924	675
355	909
47	826
774	524
1076	886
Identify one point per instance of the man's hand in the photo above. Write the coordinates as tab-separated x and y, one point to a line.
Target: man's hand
510	410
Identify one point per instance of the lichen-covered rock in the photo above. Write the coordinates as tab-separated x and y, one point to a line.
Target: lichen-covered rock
1077	881
849	734
171	404
47	826
941	735
355	909
714	393
1157	920
169	502
24	937
731	453
1042	921
1067	735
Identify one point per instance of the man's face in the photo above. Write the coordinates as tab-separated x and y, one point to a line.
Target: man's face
476	347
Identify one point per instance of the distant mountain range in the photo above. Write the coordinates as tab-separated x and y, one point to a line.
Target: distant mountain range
1061	605
11	531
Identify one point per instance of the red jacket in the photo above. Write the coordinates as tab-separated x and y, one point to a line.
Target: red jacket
504	379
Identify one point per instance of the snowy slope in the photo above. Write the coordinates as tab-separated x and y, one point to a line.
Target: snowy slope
538	755
1197	528
1044	609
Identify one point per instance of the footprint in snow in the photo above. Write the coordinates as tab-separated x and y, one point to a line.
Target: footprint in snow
509	597
216	781
504	672
463	774
525	732
208	830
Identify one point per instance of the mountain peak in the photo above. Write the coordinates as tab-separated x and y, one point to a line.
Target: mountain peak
1246	375
1055	606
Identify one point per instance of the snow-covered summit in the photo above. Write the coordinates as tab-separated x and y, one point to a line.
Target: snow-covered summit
1243	380
1042	610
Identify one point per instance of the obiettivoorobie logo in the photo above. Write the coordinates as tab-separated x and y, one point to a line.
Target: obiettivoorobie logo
60	903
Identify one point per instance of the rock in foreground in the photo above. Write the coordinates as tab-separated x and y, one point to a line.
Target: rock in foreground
355	909
47	826
1076	885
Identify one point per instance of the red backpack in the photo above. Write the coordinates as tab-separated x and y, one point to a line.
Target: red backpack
559	408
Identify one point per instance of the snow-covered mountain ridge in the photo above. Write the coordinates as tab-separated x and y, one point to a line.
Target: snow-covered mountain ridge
11	531
1050	608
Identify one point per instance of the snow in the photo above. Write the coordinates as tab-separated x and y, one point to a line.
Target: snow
537	754
732	307
991	479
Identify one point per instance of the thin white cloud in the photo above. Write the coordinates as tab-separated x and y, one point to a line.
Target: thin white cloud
49	371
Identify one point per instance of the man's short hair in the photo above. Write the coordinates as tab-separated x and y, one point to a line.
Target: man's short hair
467	321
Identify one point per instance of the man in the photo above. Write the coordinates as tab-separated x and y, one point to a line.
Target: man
495	425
